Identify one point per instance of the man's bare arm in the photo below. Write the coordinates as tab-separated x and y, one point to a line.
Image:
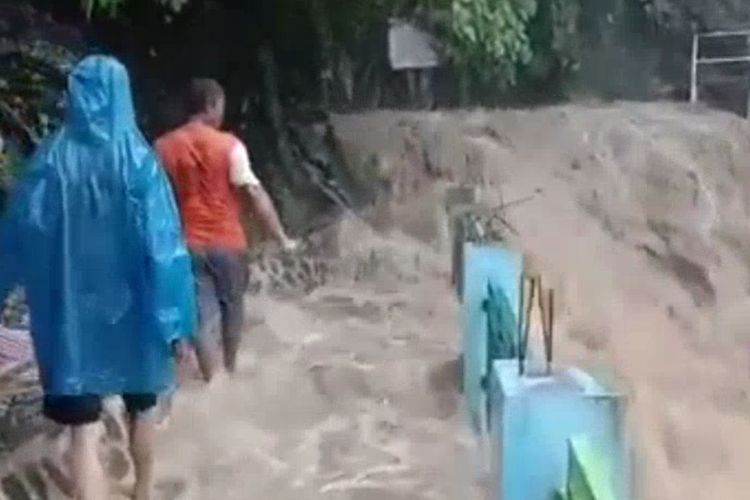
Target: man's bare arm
266	213
241	175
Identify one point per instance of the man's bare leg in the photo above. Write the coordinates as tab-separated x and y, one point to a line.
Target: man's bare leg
87	471
142	437
232	323
230	345
207	359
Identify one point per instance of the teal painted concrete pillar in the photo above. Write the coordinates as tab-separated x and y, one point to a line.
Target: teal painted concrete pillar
534	418
487	269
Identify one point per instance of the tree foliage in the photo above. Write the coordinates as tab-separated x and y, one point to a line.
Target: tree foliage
490	38
112	7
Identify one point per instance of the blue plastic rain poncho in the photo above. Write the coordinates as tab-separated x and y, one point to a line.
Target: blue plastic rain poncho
93	234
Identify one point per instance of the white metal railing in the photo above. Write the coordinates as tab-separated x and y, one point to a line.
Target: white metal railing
697	60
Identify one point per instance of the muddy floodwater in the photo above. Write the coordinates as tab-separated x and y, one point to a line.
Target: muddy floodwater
349	393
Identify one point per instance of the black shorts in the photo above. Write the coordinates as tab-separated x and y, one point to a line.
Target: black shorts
86	409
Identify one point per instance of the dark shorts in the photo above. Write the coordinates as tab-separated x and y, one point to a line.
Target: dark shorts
86	409
222	279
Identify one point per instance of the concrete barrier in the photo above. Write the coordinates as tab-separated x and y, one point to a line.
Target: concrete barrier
484	266
558	435
534	420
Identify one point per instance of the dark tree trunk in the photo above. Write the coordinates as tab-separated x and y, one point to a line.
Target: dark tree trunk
275	113
325	39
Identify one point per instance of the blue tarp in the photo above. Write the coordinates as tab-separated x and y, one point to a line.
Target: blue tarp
93	234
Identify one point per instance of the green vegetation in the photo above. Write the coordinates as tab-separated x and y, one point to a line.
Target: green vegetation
489	42
111	7
490	38
32	77
331	54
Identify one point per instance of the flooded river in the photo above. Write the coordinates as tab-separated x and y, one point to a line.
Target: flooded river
347	394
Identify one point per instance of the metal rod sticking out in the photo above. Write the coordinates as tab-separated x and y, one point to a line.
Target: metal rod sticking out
549	331
521	316
533	284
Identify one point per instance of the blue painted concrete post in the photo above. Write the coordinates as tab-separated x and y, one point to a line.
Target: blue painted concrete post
500	267
532	419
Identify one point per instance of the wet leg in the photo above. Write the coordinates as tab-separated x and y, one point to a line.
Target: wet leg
87	471
142	410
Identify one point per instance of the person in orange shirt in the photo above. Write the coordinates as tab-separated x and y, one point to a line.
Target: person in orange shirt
209	170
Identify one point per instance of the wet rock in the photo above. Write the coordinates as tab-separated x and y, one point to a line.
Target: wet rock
36	481
117	464
14	488
58	477
112	428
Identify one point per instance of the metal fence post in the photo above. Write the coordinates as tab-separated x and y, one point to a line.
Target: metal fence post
694	70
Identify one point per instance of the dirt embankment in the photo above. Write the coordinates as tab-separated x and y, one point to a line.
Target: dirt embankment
639	215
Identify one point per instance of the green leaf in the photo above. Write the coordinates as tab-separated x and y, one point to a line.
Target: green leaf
491	36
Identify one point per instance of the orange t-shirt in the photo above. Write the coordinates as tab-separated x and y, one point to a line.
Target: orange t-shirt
197	159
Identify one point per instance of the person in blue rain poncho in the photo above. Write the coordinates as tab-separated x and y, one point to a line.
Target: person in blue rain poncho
93	234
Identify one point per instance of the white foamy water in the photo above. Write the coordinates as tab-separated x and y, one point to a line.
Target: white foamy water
347	394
